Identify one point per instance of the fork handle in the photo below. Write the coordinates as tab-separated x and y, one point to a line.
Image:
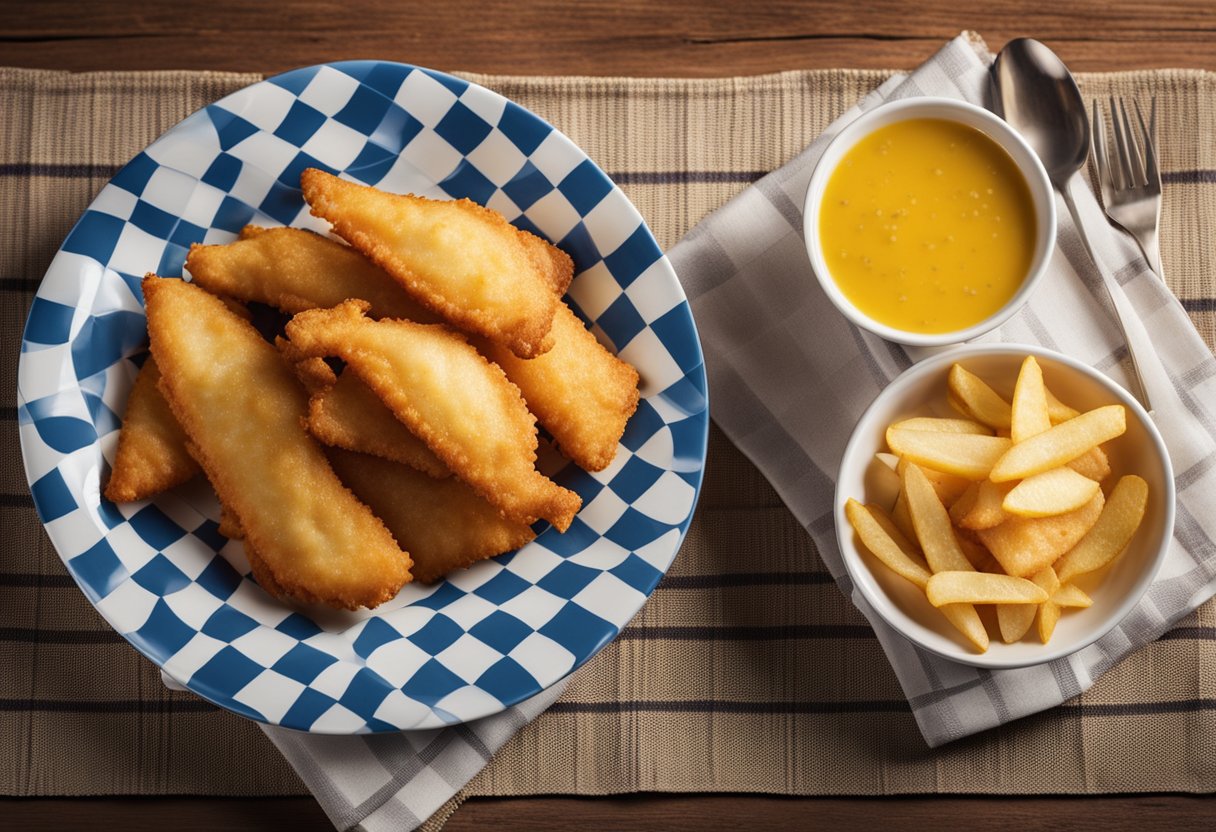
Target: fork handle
1151	249
1149	376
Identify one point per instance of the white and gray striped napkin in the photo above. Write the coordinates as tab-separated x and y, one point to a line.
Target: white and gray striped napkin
394	782
789	377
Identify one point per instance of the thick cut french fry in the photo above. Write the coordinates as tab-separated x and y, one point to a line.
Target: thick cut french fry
889	460
1048	579
1024	545
962	454
937	425
881	544
976	554
1058	411
932	524
967	621
907	544
1049	616
882	481
933	530
1052	492
1030	415
948	486
977	400
1093	464
982	588
987	511
1015	619
963	505
1063	443
901	517
1071	595
1113	530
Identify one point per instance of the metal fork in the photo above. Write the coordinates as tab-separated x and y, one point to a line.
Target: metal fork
1129	176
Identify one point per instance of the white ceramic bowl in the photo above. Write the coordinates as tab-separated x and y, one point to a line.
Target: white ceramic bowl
952	110
1115	589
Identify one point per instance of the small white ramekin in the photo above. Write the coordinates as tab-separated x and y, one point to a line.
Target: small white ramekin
949	109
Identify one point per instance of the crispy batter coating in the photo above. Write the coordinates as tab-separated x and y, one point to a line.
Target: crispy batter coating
349	415
579	391
151	454
549	259
229	526
444	525
463	261
242	410
344	413
293	270
451	397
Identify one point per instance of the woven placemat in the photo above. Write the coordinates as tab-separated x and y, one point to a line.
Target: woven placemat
747	671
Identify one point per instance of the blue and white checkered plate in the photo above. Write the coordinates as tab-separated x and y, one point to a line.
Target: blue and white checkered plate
161	573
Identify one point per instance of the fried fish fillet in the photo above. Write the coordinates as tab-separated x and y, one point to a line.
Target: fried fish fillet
444	525
152	455
344	413
242	411
349	415
550	259
579	391
293	270
460	404
462	261
229	526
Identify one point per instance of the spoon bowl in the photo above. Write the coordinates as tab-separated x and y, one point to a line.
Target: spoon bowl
1034	91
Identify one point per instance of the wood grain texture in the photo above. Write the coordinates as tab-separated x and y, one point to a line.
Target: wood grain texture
675	813
613	37
599	37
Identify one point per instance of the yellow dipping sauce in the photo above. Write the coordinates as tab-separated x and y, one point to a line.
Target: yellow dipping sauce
927	226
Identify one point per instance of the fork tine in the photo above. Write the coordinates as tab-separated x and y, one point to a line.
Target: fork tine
1097	138
1135	161
1123	180
1151	172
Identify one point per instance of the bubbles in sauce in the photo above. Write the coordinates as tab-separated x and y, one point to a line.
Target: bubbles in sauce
928	226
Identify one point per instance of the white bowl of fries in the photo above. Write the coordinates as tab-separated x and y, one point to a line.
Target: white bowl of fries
1019	517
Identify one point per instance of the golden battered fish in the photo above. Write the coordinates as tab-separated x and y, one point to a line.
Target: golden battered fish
293	270
152	455
579	391
448	394
242	409
313	373
444	525
550	259
229	526
349	415
462	261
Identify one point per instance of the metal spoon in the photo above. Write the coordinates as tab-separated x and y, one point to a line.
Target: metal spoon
1033	90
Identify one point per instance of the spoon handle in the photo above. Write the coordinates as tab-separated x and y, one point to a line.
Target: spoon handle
1149	376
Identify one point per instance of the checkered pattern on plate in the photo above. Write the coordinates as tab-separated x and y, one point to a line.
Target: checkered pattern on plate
161	573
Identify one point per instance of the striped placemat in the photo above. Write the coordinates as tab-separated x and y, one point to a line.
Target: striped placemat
747	671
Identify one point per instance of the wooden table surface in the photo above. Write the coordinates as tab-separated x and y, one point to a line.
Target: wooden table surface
607	37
